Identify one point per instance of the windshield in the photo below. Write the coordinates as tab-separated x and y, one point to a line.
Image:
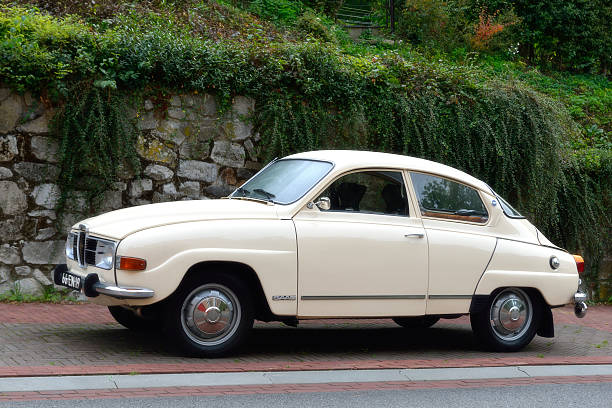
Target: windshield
284	181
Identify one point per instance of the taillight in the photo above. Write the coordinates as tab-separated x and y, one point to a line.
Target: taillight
579	263
127	263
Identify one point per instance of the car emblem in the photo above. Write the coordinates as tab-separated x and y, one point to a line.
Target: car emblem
283	297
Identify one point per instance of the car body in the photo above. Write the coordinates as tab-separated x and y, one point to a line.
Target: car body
326	234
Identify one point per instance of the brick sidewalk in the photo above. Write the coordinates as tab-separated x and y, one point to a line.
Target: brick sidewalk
45	339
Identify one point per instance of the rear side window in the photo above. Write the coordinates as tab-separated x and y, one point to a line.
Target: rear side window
442	198
508	209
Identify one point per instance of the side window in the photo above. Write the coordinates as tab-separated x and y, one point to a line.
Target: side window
443	198
372	192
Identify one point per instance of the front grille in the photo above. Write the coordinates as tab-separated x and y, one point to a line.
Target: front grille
91	245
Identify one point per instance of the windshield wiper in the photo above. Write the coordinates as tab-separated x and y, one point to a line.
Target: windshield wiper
264	193
246	196
243	190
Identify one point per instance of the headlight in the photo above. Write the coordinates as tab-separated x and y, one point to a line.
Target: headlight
71	245
105	250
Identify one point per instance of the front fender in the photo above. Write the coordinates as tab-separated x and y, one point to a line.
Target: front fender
267	246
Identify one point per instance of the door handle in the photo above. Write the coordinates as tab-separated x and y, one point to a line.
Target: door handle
418	235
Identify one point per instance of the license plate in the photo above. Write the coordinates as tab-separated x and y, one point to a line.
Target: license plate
72	281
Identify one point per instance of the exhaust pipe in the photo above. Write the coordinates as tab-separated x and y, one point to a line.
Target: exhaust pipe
580	309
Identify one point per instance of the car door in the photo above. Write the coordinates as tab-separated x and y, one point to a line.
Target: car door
364	256
460	241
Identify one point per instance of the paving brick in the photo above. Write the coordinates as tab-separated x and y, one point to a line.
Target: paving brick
47	339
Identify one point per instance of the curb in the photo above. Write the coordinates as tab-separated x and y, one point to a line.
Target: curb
286	366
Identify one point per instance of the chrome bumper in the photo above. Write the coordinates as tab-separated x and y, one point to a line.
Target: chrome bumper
92	287
122	292
580	306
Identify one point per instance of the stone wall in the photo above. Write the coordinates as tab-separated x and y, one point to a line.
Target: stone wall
186	150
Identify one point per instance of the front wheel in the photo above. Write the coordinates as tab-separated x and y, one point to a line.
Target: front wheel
209	317
510	320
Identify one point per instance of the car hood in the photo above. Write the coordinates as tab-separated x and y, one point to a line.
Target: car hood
119	224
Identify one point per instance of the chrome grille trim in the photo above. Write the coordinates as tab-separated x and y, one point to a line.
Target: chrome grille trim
81	237
85	247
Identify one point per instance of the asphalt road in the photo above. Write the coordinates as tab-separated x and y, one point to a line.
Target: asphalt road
541	396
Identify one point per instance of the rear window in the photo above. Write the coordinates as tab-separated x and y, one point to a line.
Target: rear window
446	199
508	209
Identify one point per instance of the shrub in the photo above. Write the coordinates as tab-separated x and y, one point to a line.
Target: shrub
311	24
278	11
561	34
329	7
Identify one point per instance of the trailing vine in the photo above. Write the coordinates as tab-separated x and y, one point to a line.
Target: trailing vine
97	139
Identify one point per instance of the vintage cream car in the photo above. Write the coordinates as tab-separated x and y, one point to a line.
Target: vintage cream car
326	234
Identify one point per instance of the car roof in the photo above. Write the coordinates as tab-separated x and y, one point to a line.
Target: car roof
345	160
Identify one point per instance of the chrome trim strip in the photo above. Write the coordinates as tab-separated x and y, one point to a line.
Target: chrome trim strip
362	297
450	296
580	297
83	233
123	292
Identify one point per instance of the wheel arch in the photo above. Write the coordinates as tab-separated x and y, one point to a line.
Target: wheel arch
238	269
546	327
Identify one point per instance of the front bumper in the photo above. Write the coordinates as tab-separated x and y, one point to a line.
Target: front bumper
92	286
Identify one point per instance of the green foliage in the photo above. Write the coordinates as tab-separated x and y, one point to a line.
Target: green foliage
328	7
430	22
320	28
587	97
34	47
278	11
585	199
96	140
566	34
553	34
50	295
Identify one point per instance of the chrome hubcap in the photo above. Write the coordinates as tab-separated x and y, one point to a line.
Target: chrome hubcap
210	314
511	314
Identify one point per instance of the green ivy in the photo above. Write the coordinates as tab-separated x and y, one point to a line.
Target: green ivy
97	141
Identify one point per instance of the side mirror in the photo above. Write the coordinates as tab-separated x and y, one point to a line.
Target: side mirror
324	203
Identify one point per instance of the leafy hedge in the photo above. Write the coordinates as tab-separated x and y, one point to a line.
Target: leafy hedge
314	95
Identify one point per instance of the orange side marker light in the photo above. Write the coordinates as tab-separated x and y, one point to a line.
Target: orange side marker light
127	263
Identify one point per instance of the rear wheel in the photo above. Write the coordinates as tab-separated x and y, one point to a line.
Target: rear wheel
510	320
416	322
210	316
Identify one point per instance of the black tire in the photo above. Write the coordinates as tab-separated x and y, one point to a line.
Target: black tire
128	319
510	320
209	316
416	322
